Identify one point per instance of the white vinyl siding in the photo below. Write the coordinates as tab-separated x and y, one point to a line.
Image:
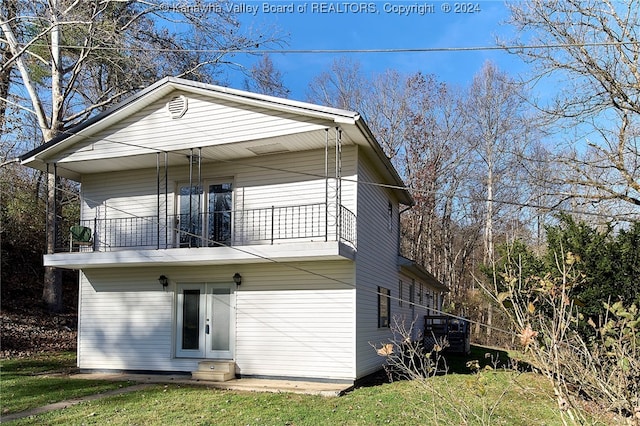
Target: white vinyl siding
376	265
290	321
206	123
125	321
411	315
296	333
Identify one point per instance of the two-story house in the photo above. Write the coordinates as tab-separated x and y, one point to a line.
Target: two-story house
218	224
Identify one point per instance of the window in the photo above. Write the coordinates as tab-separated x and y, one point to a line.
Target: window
433	301
412	290
400	291
390	213
420	294
384	307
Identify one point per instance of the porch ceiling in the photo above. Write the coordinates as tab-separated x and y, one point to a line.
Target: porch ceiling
222	152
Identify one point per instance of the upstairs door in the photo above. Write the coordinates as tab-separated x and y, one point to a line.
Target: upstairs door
205	215
219	213
190	215
205	321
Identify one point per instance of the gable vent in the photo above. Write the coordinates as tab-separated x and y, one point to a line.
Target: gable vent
177	106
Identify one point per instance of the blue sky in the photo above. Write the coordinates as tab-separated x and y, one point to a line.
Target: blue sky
341	25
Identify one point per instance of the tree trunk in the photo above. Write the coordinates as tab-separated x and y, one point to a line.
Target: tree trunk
488	230
5	74
52	289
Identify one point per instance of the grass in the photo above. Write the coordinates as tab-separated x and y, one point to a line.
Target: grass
496	397
399	403
40	380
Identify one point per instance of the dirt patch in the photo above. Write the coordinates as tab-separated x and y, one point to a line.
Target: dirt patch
28	333
27	328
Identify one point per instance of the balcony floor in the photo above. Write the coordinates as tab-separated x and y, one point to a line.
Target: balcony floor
289	252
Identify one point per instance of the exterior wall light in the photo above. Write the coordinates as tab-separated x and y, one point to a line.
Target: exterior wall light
164	281
237	278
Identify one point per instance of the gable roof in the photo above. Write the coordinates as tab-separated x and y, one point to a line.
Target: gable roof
351	122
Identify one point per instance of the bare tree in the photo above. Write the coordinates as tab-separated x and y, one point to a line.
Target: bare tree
381	98
9	8
266	79
75	58
592	49
342	86
386	108
497	135
461	151
436	165
497	138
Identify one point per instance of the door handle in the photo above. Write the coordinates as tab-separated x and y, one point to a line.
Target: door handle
206	329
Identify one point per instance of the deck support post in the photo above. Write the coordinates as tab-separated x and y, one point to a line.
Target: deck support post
326	185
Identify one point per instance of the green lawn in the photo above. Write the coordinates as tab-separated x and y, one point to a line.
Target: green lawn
491	397
33	382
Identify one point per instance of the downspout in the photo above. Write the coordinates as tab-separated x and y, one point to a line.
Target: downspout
56	229
338	182
47	211
201	207
190	227
157	200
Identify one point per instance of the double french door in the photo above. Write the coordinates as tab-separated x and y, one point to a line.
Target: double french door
205	321
205	213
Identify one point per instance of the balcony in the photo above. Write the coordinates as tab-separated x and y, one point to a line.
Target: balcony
233	228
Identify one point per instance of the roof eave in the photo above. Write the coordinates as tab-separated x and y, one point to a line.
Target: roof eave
397	182
411	266
31	155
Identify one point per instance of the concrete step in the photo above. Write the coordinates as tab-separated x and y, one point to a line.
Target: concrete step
215	371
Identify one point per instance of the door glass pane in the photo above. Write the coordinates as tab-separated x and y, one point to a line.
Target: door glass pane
221	299
220	206
190	216
191	319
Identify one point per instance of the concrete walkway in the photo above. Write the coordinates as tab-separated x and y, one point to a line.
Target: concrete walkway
244	384
145	380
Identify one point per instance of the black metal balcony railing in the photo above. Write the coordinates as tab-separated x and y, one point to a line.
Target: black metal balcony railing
220	228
